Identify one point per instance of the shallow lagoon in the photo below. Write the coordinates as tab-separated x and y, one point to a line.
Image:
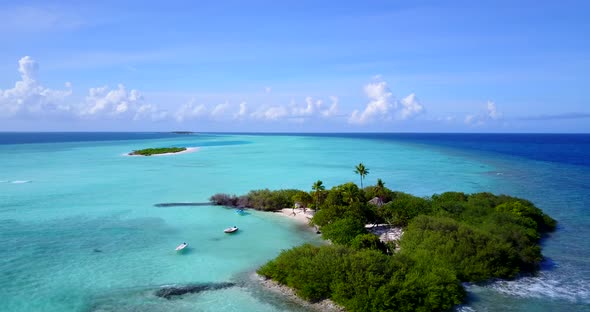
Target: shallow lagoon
84	234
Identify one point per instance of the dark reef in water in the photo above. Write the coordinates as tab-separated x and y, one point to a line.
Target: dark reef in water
174	291
181	204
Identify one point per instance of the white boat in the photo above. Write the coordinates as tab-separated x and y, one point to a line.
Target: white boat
181	246
231	229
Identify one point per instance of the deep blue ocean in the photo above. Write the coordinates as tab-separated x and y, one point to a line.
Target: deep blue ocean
65	195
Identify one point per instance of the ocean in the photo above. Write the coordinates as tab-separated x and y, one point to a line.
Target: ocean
81	228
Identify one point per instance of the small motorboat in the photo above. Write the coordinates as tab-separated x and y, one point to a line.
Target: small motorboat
231	229
181	247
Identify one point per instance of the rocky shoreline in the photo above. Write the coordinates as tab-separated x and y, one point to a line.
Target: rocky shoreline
324	305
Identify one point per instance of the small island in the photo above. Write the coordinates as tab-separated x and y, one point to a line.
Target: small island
182	132
444	240
158	151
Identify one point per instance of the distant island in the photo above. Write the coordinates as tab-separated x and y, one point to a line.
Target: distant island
158	151
182	132
446	239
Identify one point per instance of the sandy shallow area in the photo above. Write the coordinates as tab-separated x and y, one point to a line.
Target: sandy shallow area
188	150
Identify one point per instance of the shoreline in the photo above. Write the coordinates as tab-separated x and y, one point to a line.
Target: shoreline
300	217
385	232
186	151
289	294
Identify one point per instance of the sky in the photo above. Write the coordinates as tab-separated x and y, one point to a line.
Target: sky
295	66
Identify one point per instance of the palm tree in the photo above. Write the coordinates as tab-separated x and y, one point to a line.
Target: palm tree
318	187
379	188
362	171
350	193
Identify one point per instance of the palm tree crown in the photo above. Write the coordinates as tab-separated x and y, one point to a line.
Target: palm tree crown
361	171
318	187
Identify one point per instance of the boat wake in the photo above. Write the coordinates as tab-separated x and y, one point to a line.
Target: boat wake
20	181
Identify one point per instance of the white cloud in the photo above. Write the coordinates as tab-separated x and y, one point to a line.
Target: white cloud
491	114
312	109
102	101
28	97
190	111
242	113
410	107
383	107
219	110
271	113
379	106
333	109
151	112
469	119
309	108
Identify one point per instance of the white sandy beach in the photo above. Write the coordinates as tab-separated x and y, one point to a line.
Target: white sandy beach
386	232
299	216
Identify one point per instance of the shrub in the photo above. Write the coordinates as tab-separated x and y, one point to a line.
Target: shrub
368	241
221	199
344	230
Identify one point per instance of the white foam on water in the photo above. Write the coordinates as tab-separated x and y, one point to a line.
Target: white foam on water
20	181
463	308
545	287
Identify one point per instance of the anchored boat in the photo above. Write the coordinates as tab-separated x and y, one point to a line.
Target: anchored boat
231	229
181	247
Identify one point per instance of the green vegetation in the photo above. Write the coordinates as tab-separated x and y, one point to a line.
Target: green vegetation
265	200
361	171
318	188
156	151
448	239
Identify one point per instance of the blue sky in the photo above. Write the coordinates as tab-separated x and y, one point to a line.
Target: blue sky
411	66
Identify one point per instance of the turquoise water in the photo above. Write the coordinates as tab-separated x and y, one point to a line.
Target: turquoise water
80	232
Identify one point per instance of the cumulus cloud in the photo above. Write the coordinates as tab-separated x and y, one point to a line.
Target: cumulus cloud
243	111
490	114
102	101
29	97
410	107
190	110
333	109
379	106
219	110
271	113
308	109
151	112
312	108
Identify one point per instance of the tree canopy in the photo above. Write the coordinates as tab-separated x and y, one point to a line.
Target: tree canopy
448	239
